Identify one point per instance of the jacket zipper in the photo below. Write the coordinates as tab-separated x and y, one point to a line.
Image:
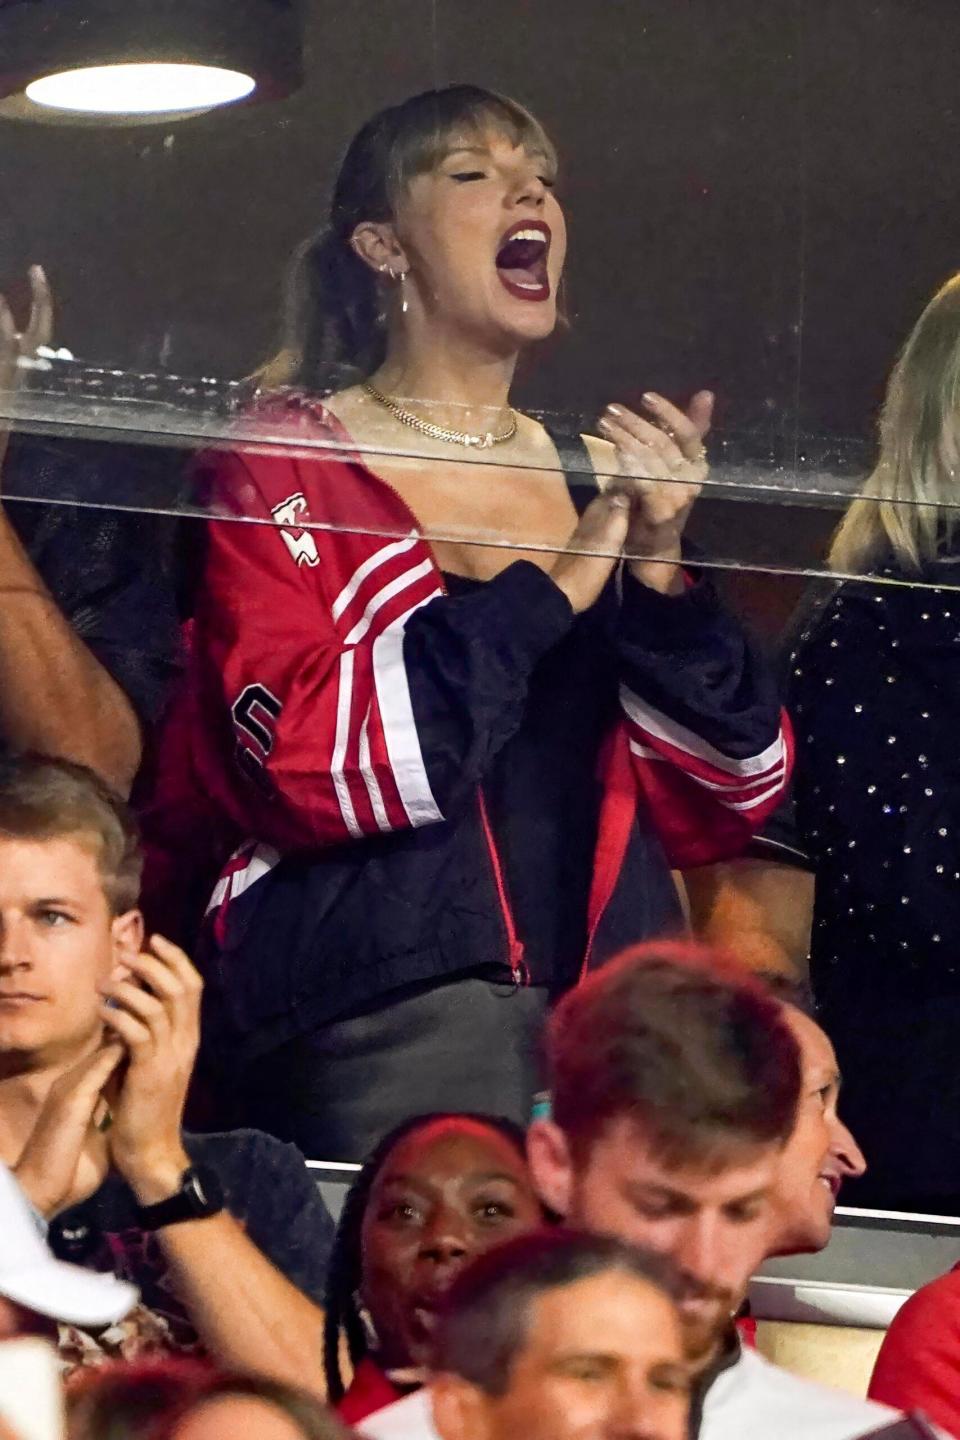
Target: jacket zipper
518	965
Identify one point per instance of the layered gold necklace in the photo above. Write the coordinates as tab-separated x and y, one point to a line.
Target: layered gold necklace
438	432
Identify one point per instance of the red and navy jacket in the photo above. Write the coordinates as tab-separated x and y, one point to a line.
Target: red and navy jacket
420	780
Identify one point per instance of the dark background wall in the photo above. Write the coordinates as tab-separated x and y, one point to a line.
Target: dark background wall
762	193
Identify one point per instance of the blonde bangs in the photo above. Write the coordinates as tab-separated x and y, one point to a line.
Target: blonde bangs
472	121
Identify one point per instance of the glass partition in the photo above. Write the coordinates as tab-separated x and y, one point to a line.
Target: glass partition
754	509
759	203
745	207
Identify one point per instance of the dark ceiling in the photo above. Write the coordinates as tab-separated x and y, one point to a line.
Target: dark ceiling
761	195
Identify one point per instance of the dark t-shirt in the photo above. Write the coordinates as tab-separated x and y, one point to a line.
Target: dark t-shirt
267	1188
110	571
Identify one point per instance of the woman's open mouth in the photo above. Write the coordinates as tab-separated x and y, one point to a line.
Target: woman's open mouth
522	260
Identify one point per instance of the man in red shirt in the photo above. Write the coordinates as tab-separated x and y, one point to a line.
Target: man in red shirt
918	1367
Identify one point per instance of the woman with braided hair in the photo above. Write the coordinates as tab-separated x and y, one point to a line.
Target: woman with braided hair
438	1190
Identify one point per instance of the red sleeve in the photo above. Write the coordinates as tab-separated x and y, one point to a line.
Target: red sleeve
918	1367
369	1391
710	744
341	694
707	805
306	737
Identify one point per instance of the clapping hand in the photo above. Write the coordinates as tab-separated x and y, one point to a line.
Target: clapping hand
661	466
55	1169
152	1005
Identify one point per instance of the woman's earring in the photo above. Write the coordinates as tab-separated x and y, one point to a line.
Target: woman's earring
404	304
382	308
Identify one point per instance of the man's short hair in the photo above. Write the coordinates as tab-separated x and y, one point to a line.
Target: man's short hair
50	799
487	1311
685	1043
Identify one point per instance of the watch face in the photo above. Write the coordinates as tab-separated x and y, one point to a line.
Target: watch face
202	1190
196	1191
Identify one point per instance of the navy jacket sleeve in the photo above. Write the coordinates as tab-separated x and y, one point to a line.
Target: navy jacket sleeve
710	747
469	659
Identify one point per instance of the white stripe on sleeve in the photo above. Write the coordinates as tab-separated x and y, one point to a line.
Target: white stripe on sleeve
399	726
661	727
373	562
400	582
370	779
340	783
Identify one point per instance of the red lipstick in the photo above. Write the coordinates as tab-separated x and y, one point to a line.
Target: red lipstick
521	260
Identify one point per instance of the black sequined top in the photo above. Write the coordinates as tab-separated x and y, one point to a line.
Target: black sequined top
875	695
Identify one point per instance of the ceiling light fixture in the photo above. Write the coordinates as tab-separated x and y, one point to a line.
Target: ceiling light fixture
133	61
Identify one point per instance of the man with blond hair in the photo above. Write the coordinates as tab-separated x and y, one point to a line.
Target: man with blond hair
224	1235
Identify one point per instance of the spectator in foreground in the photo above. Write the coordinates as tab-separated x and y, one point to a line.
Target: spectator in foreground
675	1085
177	1399
36	1289
436	1192
561	1336
225	1235
821	1154
918	1367
256	1409
676	1081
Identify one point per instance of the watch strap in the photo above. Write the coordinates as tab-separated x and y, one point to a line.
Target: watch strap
198	1197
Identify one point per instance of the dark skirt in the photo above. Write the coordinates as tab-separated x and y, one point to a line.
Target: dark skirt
471	1044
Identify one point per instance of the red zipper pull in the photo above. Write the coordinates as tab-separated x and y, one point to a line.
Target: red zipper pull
518	966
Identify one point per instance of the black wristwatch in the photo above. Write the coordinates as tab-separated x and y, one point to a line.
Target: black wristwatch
199	1196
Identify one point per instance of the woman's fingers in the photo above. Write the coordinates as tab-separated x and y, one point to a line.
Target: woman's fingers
674	436
625	423
583	569
659	489
686	427
639	459
700	412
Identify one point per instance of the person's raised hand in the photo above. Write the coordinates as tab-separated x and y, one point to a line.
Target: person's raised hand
23	344
594	548
152	1004
662	465
49	1165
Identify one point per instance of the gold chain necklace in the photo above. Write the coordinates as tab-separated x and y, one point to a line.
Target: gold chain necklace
437	432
